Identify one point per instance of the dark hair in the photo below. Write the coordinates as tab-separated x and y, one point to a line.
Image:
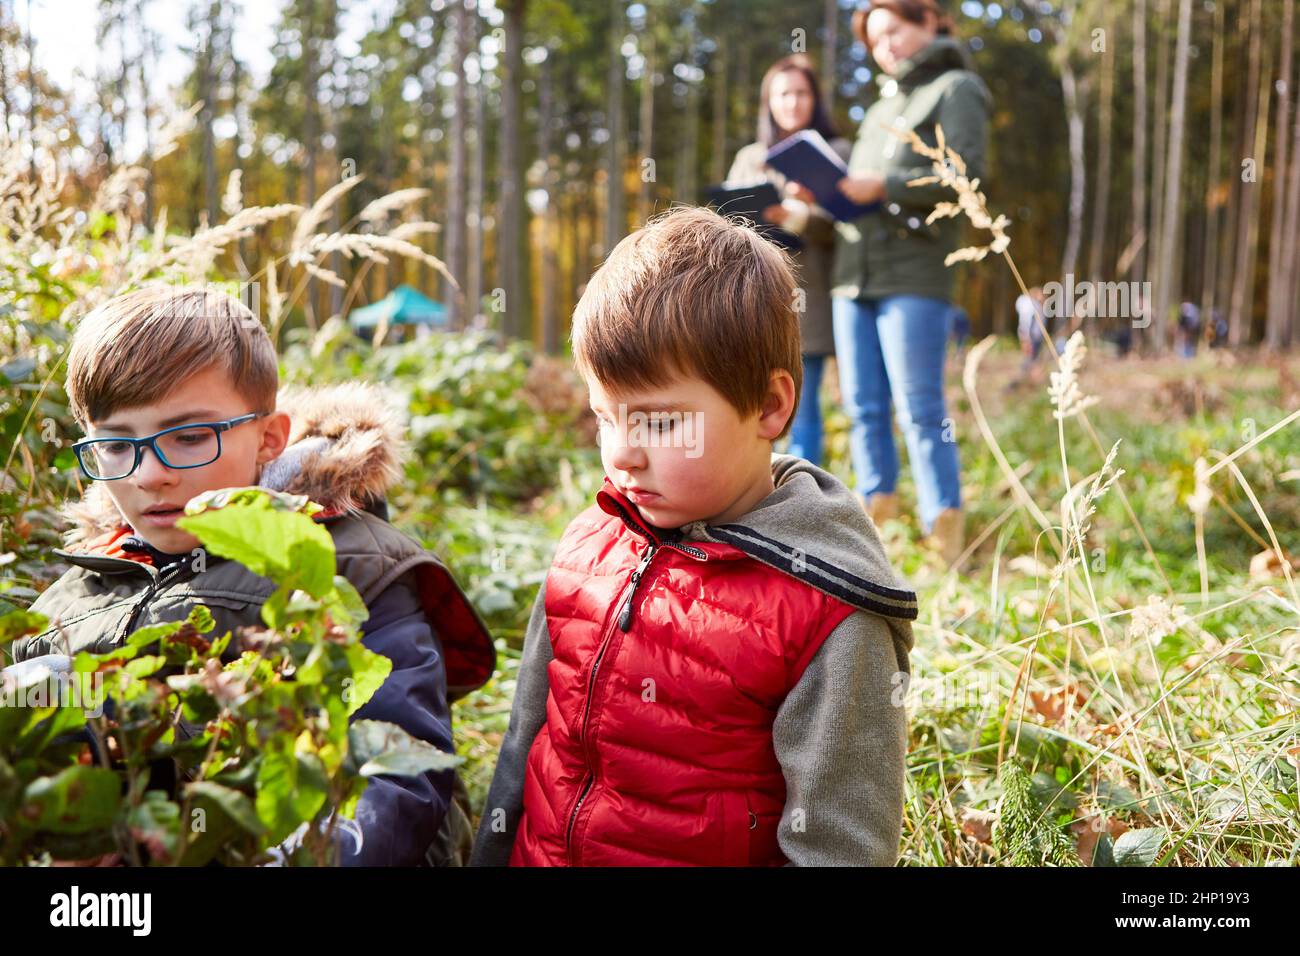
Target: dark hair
913	11
768	131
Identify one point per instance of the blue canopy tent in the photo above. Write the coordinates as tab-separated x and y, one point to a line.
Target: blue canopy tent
402	306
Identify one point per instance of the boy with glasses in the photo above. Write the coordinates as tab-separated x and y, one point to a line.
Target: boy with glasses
177	393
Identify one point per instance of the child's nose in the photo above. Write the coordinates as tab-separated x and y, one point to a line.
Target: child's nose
152	473
626	454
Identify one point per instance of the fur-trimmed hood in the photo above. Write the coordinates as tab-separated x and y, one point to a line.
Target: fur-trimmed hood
346	448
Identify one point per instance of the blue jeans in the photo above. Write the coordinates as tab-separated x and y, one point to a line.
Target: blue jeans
892	349
806	429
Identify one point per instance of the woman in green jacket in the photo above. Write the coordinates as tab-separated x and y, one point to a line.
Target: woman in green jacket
790	100
891	291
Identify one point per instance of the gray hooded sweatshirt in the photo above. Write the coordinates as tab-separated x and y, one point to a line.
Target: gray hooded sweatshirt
841	733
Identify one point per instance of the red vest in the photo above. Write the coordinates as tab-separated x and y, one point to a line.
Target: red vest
671	660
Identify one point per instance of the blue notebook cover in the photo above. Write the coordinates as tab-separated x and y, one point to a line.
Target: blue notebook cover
807	158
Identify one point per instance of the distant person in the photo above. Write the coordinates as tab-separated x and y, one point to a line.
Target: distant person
1031	321
891	291
1189	328
790	100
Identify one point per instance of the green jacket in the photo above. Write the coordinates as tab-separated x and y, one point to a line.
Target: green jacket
892	251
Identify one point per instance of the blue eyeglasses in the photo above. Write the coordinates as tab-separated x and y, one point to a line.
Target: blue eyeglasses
184	446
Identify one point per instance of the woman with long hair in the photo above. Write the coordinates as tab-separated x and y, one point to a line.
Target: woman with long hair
790	100
891	292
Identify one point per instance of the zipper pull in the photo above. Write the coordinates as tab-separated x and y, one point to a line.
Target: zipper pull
625	615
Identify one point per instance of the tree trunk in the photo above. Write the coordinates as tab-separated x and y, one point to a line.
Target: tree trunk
615	217
1159	159
646	122
1290	262
1138	242
1078	164
148	50
310	135
1279	292
33	93
1247	221
207	115
511	228
549	224
474	224
1101	198
1213	198
1171	283
454	233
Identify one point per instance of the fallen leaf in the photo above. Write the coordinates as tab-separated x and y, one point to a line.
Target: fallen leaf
978	823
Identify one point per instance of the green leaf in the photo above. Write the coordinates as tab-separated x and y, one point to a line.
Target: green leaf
154	632
290	789
1116	797
18	624
232	803
369	671
156	823
1138	847
145	666
76	800
201	619
380	747
269	533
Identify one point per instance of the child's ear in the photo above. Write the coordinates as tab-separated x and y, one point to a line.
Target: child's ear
778	406
275	437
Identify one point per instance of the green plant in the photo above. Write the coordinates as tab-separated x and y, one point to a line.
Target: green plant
255	723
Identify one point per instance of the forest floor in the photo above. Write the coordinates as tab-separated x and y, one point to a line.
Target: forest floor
1139	695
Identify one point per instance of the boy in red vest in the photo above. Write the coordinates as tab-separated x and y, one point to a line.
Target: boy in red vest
715	666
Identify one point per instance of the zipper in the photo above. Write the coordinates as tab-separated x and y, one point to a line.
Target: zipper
159	580
624	623
625	615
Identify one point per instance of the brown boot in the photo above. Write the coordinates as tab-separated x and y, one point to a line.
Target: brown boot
948	536
880	507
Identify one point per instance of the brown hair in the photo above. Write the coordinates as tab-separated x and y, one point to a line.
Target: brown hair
913	11
821	121
691	293
129	350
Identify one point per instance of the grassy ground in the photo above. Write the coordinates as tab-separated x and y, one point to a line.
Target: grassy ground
1138	696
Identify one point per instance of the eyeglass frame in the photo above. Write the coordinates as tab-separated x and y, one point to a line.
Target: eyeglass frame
150	441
